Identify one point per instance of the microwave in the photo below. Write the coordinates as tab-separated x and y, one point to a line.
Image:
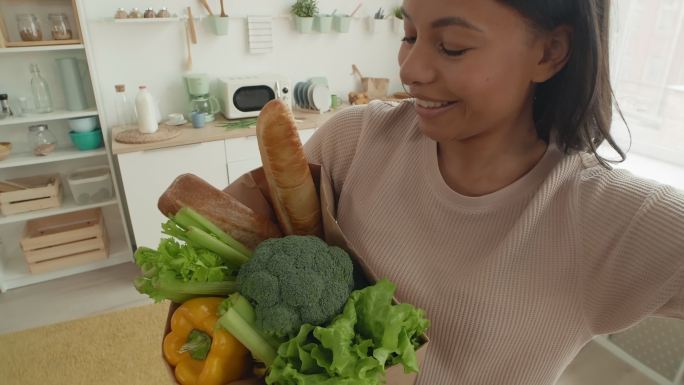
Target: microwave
244	97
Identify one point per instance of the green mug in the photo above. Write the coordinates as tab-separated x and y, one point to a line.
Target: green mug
334	101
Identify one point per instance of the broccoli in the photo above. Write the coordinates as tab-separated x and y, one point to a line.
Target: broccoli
295	280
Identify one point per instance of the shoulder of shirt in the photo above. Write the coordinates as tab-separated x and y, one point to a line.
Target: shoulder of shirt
601	182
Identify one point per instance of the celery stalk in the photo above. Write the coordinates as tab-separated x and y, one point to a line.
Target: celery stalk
203	239
248	336
246	311
203	223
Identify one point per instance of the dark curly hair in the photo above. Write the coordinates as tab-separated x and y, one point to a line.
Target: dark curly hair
575	106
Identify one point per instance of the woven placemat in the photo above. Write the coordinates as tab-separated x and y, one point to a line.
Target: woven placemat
134	136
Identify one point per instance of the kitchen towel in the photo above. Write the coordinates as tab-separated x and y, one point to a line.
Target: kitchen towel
260	30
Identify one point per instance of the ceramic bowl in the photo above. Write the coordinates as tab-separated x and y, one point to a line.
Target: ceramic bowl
5	149
89	140
86	124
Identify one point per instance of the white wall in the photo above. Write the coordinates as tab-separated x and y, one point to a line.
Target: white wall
155	54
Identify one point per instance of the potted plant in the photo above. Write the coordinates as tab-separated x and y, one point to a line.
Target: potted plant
398	19
304	11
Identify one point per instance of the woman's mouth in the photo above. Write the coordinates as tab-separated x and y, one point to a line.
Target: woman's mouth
431	109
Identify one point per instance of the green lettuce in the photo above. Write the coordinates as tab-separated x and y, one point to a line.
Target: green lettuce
371	334
178	271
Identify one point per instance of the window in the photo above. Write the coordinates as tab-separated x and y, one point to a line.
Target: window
648	76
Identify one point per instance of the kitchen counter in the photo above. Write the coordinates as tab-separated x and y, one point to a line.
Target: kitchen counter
214	131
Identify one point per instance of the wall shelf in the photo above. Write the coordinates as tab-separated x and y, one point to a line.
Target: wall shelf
150	20
16	272
68	206
60	154
42	43
55	115
46	48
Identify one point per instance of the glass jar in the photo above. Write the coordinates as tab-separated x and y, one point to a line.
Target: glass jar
163	12
149	13
135	14
29	28
41	140
121	14
59	26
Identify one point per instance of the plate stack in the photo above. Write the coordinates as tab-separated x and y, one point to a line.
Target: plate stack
313	94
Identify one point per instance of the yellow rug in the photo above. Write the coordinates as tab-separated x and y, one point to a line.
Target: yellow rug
121	347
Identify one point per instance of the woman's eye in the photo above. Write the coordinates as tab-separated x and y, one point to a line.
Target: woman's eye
449	52
408	40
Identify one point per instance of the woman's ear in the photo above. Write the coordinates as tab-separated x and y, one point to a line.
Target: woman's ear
555	53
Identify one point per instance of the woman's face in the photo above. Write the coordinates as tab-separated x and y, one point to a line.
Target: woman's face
471	65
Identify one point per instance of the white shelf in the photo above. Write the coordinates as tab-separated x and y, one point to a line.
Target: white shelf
55	115
16	272
27	158
42	48
149	20
68	206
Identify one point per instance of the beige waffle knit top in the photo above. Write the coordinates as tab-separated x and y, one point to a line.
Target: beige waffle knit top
516	282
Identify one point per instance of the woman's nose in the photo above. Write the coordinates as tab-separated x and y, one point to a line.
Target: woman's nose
416	66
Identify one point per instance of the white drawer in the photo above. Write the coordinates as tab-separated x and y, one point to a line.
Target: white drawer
247	147
304	135
242	148
239	168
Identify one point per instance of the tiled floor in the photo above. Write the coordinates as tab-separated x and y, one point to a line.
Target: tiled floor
107	289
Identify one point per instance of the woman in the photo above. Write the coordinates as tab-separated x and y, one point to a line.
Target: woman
483	197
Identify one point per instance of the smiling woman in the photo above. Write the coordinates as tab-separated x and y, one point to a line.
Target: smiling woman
483	197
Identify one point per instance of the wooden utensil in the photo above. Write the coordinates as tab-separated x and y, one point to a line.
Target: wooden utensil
223	12
188	63
191	24
206	6
3	34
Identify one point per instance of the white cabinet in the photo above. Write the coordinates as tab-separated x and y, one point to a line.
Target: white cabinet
242	154
147	174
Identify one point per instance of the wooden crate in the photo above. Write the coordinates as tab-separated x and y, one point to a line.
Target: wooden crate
65	240
43	192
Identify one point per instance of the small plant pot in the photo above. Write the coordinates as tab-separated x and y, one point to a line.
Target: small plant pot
397	25
323	23
341	23
375	25
219	25
304	24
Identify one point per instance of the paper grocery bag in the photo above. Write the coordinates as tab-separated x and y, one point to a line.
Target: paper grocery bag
252	190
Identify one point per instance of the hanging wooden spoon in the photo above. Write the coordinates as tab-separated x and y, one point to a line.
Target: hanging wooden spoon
223	12
206	6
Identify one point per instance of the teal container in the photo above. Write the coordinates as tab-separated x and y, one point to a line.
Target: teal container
85	141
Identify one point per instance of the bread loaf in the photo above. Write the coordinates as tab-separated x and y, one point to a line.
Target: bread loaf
293	192
226	212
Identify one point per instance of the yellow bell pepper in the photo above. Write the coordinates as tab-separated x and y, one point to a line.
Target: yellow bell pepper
201	353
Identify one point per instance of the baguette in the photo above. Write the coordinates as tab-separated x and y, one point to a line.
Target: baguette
226	212
293	192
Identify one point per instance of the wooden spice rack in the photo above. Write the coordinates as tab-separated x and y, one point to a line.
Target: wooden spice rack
65	240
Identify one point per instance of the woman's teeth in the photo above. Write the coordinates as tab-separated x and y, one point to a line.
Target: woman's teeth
431	104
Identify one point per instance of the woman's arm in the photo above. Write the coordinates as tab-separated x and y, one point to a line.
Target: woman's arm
633	241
